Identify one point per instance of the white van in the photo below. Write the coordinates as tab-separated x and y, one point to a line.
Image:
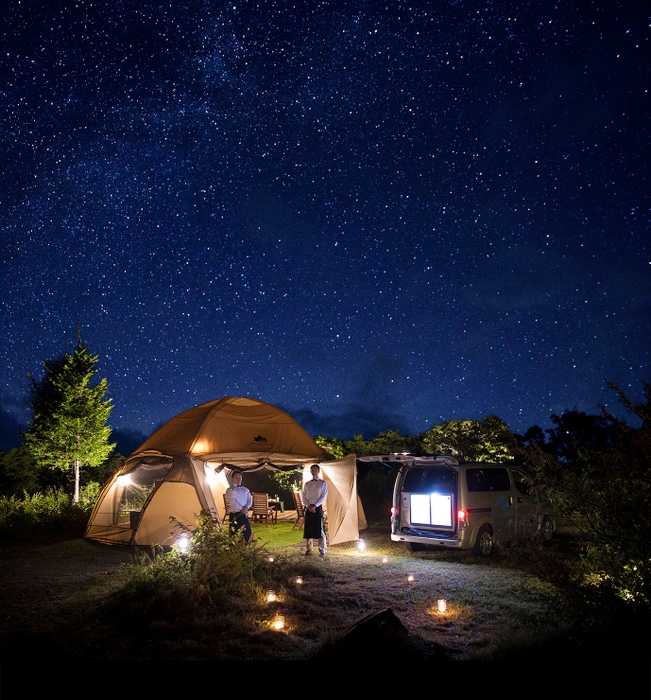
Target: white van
439	502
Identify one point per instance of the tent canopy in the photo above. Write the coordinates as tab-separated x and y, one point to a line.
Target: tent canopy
185	467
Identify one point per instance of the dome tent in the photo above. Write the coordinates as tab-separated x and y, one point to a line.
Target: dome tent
184	468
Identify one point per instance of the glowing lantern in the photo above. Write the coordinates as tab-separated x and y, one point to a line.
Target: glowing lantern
361	546
441	605
299	580
271	596
279	622
410	578
385	560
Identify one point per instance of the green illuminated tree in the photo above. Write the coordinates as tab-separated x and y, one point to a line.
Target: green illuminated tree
488	440
68	430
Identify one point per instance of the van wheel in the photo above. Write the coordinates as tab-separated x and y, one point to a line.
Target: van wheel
484	544
547	529
414	547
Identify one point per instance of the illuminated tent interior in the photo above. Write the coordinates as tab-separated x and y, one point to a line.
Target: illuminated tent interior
184	468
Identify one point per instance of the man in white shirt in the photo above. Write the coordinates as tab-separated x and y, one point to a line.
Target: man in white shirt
239	502
314	495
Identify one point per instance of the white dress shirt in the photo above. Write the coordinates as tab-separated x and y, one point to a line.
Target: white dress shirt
239	497
314	493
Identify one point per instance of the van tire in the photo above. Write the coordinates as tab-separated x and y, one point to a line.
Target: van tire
414	546
547	529
484	543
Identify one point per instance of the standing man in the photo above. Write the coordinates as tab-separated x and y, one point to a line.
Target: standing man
314	495
239	501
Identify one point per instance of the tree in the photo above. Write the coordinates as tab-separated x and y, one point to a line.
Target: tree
489	440
600	481
68	430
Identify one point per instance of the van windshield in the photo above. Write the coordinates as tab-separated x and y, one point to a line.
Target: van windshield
428	480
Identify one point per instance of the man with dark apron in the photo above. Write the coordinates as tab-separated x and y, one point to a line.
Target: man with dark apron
314	495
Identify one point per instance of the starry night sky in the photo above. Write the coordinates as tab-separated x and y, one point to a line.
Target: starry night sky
371	214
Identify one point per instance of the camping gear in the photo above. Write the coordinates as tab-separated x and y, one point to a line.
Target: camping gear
184	469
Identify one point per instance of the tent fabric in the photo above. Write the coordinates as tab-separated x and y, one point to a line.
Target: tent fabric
184	468
235	429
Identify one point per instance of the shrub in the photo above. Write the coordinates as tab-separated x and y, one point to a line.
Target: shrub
219	572
51	511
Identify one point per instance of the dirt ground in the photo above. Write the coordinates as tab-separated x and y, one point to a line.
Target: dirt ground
35	578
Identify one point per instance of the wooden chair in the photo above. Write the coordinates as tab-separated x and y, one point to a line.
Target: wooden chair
300	509
261	510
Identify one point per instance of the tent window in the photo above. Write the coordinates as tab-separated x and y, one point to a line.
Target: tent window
137	487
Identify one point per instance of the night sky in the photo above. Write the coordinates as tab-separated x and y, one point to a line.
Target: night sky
371	214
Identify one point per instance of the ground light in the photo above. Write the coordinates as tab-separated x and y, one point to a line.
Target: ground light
299	580
271	596
279	622
441	605
410	578
385	560
361	546
270	559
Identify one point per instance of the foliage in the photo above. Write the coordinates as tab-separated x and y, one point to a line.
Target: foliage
333	445
576	436
219	570
68	429
19	472
385	443
52	511
488	440
287	480
604	490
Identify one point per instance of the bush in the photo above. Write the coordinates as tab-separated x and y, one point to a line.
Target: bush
219	574
605	493
50	512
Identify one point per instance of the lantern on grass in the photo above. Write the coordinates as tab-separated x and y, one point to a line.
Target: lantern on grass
279	622
271	596
410	578
361	546
385	560
441	605
299	580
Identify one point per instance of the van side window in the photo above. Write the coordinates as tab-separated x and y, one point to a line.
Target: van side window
476	480
499	479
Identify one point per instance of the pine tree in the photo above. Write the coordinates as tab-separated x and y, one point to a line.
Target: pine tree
68	430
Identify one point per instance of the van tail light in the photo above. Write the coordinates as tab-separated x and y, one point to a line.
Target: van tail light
395	510
461	516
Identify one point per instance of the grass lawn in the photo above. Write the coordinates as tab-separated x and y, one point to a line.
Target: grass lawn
496	608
